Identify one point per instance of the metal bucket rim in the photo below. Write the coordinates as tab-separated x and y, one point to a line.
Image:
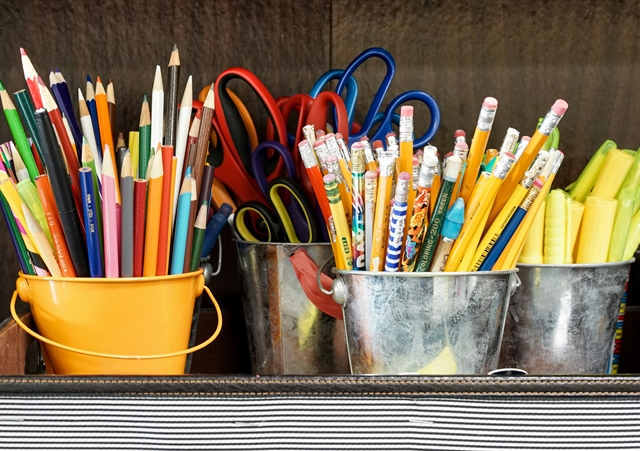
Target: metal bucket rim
416	275
268	243
580	265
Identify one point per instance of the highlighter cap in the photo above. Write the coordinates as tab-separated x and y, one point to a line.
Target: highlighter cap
453	220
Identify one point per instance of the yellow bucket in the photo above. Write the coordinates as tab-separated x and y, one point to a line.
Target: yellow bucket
113	326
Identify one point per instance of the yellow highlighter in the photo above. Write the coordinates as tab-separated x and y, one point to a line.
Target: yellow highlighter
614	170
577	210
634	238
381	219
343	233
621	224
595	232
532	251
502	219
568	249
583	186
555	228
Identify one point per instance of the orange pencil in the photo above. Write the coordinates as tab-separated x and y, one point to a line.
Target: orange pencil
51	213
154	206
106	135
165	211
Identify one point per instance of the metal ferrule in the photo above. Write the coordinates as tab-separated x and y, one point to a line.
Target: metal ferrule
402	191
415	176
557	161
334	149
531	196
427	173
309	132
344	149
462	153
485	119
332	230
535	169
370	186
502	167
392	140
387	165
334	168
307	155
510	140
333	194
357	162
406	128
549	122
322	152
460	139
368	151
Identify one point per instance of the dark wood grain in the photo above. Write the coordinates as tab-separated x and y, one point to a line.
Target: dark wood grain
525	53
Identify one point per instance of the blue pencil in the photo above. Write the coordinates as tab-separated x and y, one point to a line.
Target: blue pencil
93	111
214	228
90	223
63	99
187	192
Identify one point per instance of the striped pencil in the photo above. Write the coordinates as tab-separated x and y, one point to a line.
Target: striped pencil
396	223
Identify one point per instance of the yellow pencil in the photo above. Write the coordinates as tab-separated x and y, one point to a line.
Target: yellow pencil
381	218
152	230
404	163
134	148
343	233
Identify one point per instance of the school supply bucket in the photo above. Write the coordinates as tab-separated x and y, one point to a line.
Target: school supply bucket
113	326
425	323
562	319
292	327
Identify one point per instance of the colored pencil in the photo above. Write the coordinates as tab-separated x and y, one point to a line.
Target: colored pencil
42	244
88	132
203	138
203	200
182	222
172	98
89	162
26	110
139	214
16	239
193	209
145	138
182	134
62	193
90	222
199	226
134	148
61	93
53	220
192	139
18	133
29	196
31	77
106	133
157	111
166	155
126	253
111	105
18	165
93	111
154	206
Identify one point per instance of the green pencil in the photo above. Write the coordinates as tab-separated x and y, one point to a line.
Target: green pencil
18	134
428	249
26	109
144	152
24	257
199	228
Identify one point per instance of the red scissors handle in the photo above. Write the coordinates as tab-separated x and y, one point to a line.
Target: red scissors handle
318	113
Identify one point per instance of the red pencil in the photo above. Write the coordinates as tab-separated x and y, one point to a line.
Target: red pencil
165	213
31	76
36	157
139	214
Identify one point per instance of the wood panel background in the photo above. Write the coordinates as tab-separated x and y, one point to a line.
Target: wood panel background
526	54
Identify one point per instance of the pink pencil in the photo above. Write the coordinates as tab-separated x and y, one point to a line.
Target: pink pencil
109	218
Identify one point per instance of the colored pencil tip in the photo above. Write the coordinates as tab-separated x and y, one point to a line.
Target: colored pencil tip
175	47
109	82
1	86
98	80
88	78
144	98
22	52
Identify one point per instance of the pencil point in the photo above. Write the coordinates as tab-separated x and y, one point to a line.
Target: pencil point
1	86
88	78
175	56
209	102
144	98
175	47
80	96
22	52
157	80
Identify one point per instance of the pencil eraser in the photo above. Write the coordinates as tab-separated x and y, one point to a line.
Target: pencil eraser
339	135
560	107
490	103
538	183
318	143
319	132
406	111
329	178
462	145
509	155
303	143
419	152
377	144
404	176
329	136
459	133
331	159
449	154
357	146
371	175
364	138
389	134
416	162
525	138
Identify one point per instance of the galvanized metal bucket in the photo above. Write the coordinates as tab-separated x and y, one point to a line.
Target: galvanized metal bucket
562	319
425	323
287	333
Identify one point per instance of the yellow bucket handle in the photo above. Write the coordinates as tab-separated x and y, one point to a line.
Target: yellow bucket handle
115	356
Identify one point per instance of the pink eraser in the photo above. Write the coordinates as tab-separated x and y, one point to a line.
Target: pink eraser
509	155
371	175
332	158
377	144
329	178
462	145
339	135
490	103
419	152
525	138
459	133
329	136
404	176
416	162
357	146
319	132
450	154
318	143
406	111
560	107
364	138
303	143
389	134
538	183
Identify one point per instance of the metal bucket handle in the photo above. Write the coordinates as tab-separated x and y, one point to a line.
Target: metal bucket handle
319	274
514	283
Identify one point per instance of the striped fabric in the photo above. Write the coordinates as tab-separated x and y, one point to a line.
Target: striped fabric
318	423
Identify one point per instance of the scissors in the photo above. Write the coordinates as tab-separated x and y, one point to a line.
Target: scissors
385	118
349	99
294	221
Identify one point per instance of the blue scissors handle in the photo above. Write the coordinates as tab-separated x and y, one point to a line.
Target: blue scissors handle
420	96
385	56
352	89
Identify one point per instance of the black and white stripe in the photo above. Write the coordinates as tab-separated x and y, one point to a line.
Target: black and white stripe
318	423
